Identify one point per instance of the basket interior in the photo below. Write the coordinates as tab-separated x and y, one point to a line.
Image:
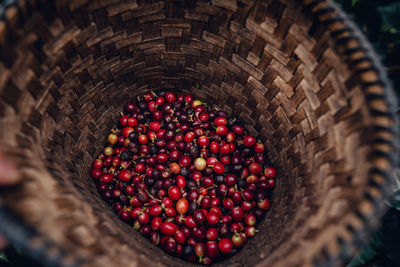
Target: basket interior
69	69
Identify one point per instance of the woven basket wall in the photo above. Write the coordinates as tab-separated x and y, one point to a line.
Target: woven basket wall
296	72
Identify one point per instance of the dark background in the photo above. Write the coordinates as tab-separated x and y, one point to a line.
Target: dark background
379	20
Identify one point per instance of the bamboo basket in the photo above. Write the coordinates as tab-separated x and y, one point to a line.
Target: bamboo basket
298	73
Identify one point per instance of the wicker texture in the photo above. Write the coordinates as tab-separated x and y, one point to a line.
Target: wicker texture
295	72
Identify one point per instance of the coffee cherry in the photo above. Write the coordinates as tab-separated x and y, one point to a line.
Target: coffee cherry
189	222
189	137
143	196
95	173
156	223
250	231
204	116
168	228
237	240
170	212
188	98
199	217
155	210
255	168
182	206
184	161
97	164
237	214
112	139
225	149
170	245
212	249
132	122
249	141
180	237
214	147
228	203
215	202
106	178
230	137
225	245
212	218
157	115
170	97
203	141
116	193
108	151
188	251
220	121
134	202
230	179
193	195
218	168
136	212
140	168
180	181
250	219
160	101
200	164
259	148
155	238
124	215
238	130
198	233
270	172
162	157
130	107
264	204
175	168
151	106
174	193
237	197
199	250
212	234
143	218
222	130
126	131
252	179
142	139
148	96
125	175
185	176
271	183
124	120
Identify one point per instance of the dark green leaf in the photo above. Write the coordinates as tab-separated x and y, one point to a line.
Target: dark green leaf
3	257
370	251
395	200
390	15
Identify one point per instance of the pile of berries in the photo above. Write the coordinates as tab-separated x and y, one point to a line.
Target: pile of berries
187	177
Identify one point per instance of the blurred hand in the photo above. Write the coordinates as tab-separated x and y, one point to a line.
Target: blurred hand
8	173
8	176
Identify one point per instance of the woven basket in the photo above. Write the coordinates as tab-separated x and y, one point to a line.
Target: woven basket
298	73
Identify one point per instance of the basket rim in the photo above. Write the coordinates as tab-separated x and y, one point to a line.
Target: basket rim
328	14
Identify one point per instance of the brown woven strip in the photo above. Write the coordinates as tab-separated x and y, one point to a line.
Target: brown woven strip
297	74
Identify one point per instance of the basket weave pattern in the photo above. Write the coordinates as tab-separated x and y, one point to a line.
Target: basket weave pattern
292	71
